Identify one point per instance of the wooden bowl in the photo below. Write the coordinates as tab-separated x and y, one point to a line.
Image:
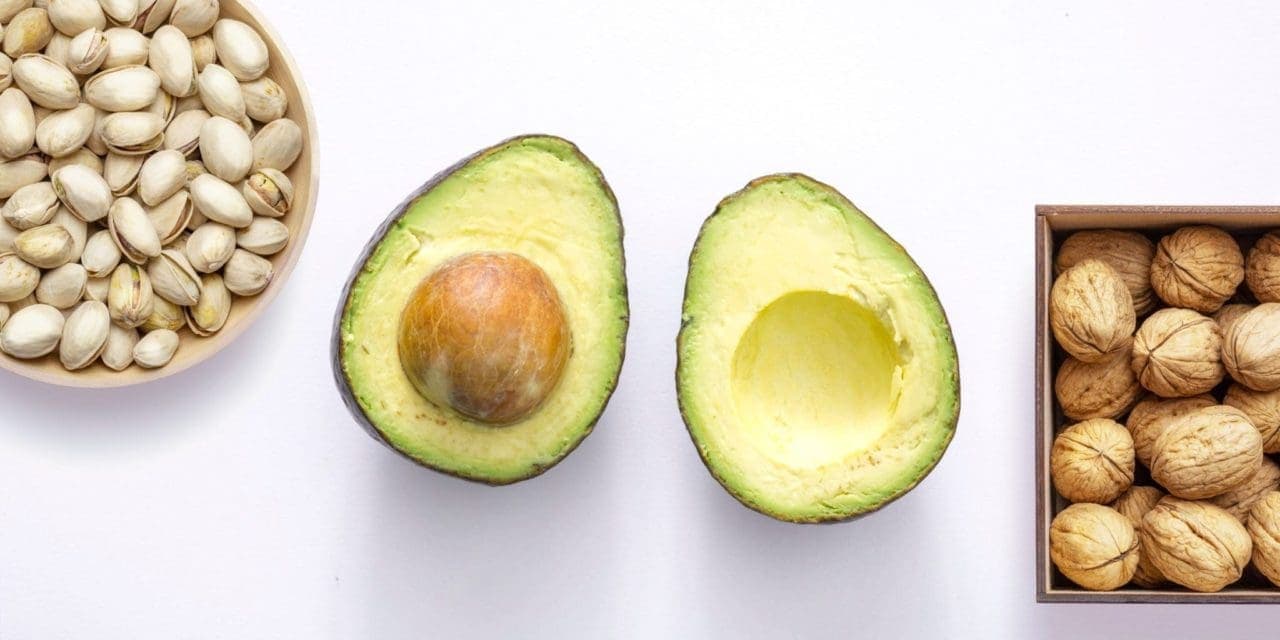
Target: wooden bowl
304	175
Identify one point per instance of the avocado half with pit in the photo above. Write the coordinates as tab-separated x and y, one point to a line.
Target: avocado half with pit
482	331
817	372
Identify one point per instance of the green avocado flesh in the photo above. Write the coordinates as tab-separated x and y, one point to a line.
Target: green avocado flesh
817	372
537	197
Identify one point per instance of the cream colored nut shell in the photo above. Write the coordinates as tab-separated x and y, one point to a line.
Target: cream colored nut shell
32	332
1104	389
1092	461
1251	351
1206	453
1150	417
1091	312
1195	544
1094	546
1127	252
1177	353
1134	504
1197	267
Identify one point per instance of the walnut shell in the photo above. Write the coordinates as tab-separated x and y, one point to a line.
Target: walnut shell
1091	311
1197	268
1127	252
1263	409
1104	389
1241	499
1152	416
1262	270
1206	453
1229	313
1264	530
1177	353
1094	546
1134	504
1251	351
1195	544
1092	461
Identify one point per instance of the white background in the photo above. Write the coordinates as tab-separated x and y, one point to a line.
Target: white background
239	500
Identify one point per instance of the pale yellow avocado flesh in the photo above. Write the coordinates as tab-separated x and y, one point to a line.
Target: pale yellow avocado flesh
817	372
536	197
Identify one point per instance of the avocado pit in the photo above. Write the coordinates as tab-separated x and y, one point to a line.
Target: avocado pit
485	334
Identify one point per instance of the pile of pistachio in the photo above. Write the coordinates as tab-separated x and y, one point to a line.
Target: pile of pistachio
142	185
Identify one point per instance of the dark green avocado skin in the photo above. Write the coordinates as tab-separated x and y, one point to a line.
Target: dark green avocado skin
335	343
693	255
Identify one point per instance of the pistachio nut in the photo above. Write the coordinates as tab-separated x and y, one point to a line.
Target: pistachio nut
62	287
30	206
59	49
203	51
171	217
32	332
219	201
183	105
7	235
46	246
133	133
28	32
20	172
120	13
87	52
264	99
277	145
4	313
126	88
74	16
22	303
183	134
209	315
121	173
95	143
240	49
84	335
163	174
101	255
125	47
194	17
152	14
18	278
247	274
173	279
65	132
180	243
46	81
197	220
264	236
195	168
172	59
165	315
225	149
269	193
11	8
83	156
165	106
210	247
97	289
83	192
130	298
17	123
78	229
118	352
156	349
6	72
221	93
131	229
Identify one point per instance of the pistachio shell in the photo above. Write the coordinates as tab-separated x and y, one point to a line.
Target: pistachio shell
269	193
209	315
171	217
130	298
101	255
59	49
240	49
210	247
265	236
152	14
73	16
18	278
118	352
246	274
162	175
17	123
221	93
87	52
97	289
20	172
194	17
277	145
220	201
132	231
183	134
62	287
46	82
32	332
189	103
11	8
204	51
156	349
4	313
30	207
84	335
78	229
46	246
7	235
120	12
125	47
121	173
264	99
124	88
6	72
28	32
65	132
132	133
173	279
165	315
226	149
83	156
172	59
84	193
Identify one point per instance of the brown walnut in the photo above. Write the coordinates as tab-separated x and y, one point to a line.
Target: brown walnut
1195	544
1127	252
1262	271
1092	461
1094	546
1263	409
1241	499
1091	311
1104	389
1229	313
1197	268
1134	504
1152	416
1251	351
1177	353
1264	530
1206	453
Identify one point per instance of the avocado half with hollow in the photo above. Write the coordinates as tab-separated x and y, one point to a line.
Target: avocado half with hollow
482	331
817	372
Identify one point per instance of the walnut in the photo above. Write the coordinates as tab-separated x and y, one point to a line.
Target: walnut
1091	311
1263	409
1127	252
1229	313
1239	500
1177	353
1264	529
1104	389
1152	416
1262	271
1251	351
1206	453
1197	268
1092	461
1094	546
1195	544
1134	504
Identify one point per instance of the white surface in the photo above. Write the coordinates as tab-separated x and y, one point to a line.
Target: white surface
239	500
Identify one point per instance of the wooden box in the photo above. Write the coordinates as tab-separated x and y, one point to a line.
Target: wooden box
1053	224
